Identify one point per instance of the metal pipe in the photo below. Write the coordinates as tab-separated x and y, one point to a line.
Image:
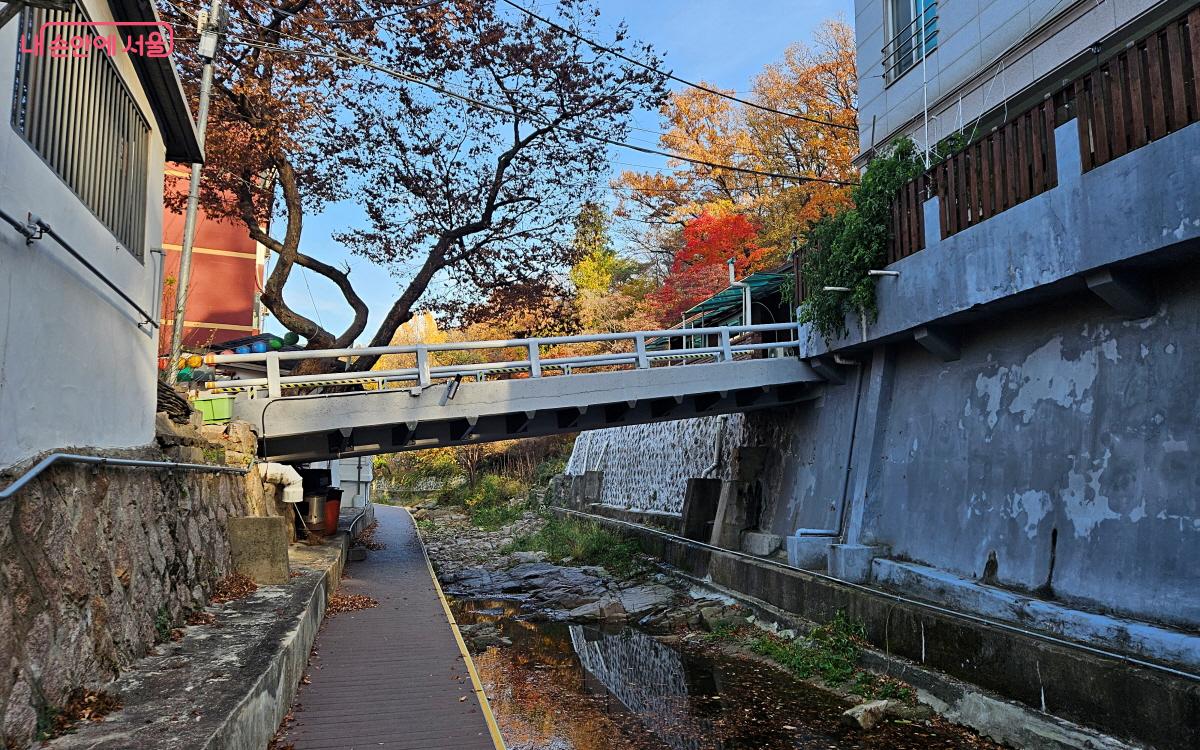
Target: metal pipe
898	598
720	444
36	228
733	282
77	458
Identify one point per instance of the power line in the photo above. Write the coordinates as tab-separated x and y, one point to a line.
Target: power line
701	87
349	21
442	89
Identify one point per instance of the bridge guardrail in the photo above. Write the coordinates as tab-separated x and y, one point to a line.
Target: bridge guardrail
423	374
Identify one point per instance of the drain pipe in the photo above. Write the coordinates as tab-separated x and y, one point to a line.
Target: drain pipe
286	477
733	282
720	445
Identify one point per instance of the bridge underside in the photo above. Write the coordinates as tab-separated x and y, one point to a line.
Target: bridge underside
319	427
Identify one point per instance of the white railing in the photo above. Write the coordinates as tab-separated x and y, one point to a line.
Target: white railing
424	373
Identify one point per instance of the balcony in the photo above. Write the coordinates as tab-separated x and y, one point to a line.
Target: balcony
1081	192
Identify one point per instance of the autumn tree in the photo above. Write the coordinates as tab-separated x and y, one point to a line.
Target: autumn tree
816	81
270	151
700	269
468	136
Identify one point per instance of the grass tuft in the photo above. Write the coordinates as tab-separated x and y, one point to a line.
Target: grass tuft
585	543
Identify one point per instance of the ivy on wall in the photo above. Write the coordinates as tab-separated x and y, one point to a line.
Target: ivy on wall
845	245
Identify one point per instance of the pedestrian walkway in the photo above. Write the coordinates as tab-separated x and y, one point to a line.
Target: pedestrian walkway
397	675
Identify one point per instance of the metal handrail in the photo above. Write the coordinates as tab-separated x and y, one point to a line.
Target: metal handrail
78	458
371	351
34	231
424	373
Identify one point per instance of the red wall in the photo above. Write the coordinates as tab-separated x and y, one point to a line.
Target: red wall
224	280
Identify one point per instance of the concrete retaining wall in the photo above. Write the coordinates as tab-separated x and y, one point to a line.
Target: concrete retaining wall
1136	704
1056	454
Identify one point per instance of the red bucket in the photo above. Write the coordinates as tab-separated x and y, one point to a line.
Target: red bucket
333	508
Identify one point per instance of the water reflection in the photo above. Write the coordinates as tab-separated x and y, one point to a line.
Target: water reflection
647	677
573	687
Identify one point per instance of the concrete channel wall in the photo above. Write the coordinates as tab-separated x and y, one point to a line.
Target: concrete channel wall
1016	436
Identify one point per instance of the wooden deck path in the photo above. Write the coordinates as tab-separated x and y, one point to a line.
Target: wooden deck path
396	676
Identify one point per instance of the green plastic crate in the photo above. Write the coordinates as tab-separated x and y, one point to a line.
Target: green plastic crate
218	410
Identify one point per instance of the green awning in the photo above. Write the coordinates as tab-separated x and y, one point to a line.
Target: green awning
726	302
730	300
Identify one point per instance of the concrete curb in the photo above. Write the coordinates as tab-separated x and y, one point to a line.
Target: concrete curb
225	687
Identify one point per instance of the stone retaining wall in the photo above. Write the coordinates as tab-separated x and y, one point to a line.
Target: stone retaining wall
96	565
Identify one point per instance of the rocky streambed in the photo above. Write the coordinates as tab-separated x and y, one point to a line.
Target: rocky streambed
576	657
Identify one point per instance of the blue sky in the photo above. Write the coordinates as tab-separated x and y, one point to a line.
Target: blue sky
723	42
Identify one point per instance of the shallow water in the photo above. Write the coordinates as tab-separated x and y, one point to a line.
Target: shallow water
580	687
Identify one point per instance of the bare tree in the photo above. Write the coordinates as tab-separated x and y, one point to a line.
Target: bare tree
468	183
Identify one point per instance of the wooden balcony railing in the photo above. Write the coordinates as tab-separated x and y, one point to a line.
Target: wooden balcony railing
1142	94
1008	167
1149	90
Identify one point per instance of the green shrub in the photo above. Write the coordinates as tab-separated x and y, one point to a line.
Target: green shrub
586	543
547	470
844	246
830	651
493	501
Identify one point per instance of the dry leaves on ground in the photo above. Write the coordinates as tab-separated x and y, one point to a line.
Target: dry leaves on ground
233	586
339	603
200	617
366	538
82	705
276	742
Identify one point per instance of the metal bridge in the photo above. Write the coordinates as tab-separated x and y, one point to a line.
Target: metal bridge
429	405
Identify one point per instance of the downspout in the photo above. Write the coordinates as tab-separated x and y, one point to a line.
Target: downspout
286	477
720	445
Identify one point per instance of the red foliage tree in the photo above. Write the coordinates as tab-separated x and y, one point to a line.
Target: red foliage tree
699	271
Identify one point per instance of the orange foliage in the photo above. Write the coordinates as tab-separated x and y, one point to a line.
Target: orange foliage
817	79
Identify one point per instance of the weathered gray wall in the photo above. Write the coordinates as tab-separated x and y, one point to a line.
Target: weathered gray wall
1065	422
88	561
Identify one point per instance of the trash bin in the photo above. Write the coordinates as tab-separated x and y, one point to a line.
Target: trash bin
333	508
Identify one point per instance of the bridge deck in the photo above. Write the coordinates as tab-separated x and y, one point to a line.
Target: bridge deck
394	676
317	427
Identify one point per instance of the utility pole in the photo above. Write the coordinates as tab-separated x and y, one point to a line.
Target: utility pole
211	26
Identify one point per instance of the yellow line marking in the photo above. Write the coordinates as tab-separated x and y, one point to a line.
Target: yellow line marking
486	707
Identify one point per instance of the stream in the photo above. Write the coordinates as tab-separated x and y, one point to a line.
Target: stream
564	686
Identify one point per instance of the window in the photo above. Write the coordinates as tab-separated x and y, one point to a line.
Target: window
912	34
79	116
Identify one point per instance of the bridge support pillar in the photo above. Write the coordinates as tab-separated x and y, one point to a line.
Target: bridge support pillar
732	517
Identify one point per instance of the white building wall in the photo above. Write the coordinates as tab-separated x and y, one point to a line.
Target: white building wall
75	369
988	51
